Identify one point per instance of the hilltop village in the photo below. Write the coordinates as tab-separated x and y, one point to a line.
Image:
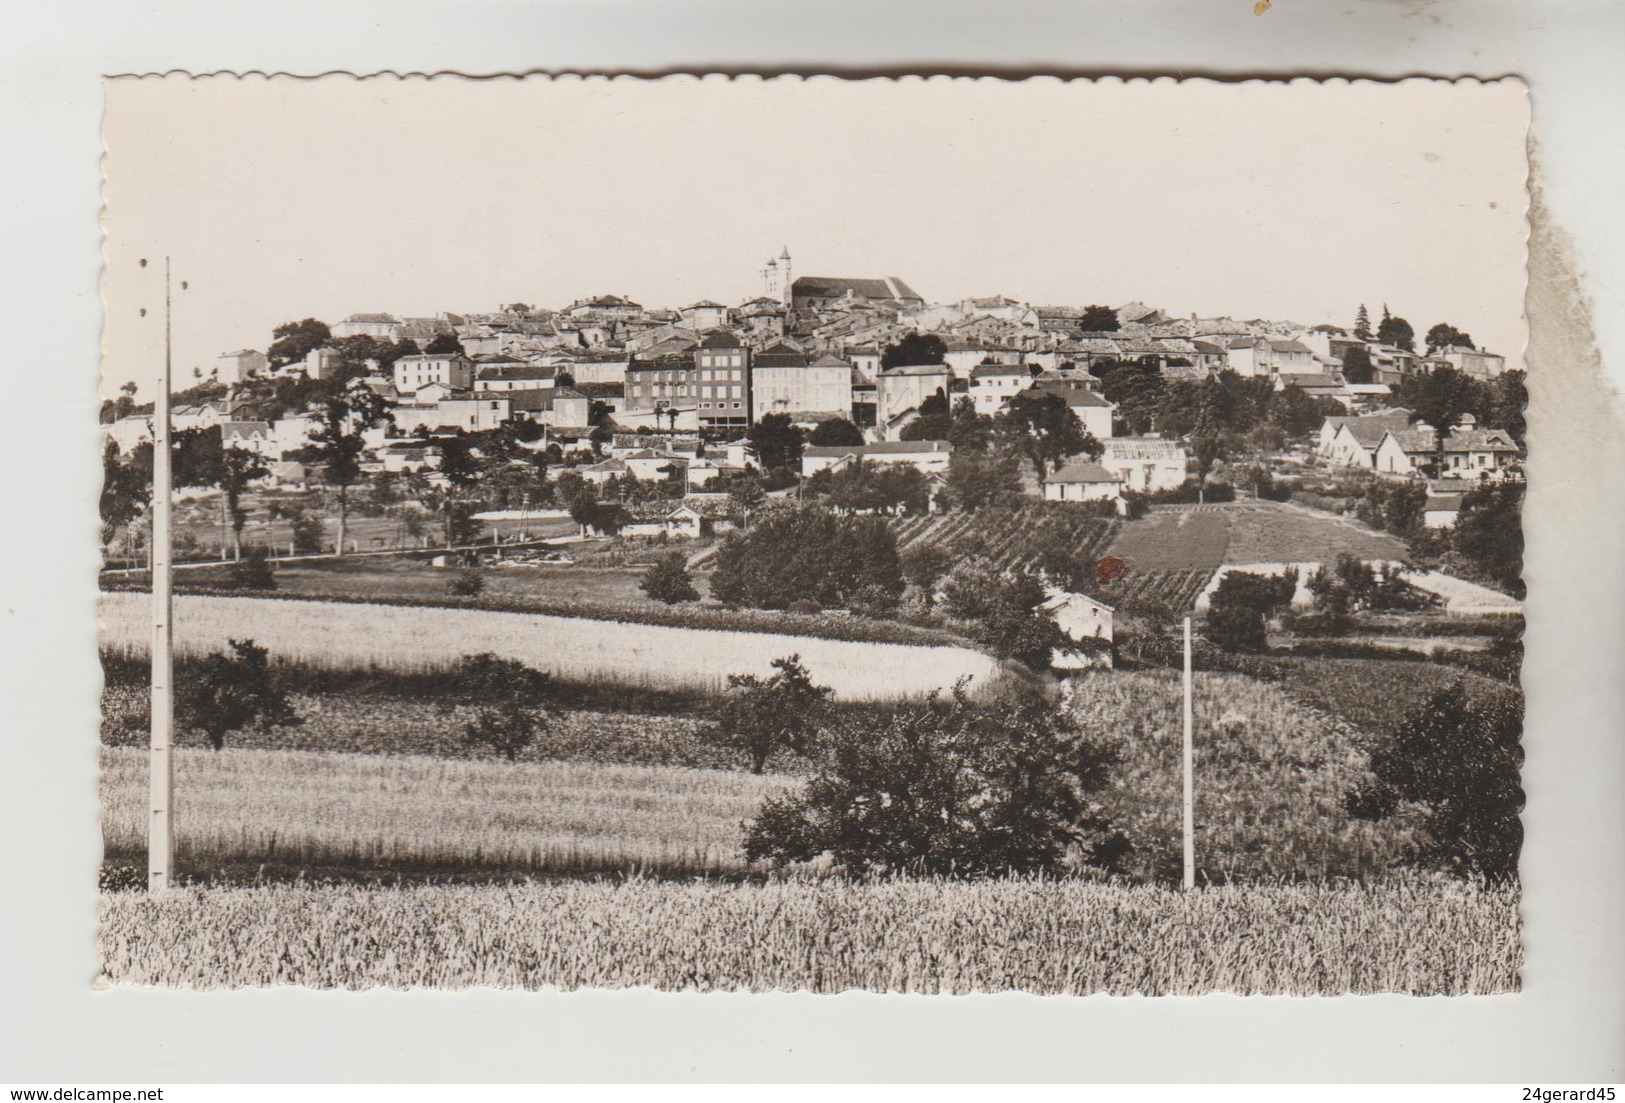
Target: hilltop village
864	370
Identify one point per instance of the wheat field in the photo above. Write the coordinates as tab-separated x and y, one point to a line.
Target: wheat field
1417	938
339	634
411	812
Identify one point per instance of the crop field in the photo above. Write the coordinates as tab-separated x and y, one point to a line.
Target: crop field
1375	694
1418	938
1270	778
346	635
1177	589
372	812
395	724
1010	538
1196	538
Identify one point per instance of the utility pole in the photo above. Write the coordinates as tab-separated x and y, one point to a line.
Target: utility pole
1186	752
161	770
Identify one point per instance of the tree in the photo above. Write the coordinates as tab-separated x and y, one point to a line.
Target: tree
948	787
977	479
1297	414
293	341
778	443
1140	392
1396	331
668	580
1444	335
924	565
1098	319
1461	761
1362	324
969	431
444	344
808	553
763	717
232	690
1439	397
238	467
1508	398
1242	604
1042	427
835	432
1357	366
916	348
512	702
337	444
1209	445
1489	533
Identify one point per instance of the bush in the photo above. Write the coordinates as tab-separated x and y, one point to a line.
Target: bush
1192	491
1461	762
804	607
466	583
253	571
668	580
947	787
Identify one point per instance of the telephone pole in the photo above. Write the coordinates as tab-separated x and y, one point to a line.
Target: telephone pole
161	827
1186	752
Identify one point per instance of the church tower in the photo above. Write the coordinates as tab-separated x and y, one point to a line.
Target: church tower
785	277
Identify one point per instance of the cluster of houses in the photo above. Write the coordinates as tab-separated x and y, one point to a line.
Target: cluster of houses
808	348
1391	442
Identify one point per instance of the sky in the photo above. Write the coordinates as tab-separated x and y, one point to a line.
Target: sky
281	199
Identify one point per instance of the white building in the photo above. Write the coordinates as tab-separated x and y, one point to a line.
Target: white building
1081	480
785	383
991	385
1145	464
234	367
922	455
1091	408
415	372
1082	618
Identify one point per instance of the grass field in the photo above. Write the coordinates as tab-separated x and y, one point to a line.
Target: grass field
1271	774
1421	938
378	813
415	637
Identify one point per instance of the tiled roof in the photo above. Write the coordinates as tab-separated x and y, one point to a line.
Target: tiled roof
836	286
720	339
1074	396
518	372
880	448
1081	471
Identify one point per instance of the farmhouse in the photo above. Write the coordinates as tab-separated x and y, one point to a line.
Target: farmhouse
674	521
1086	622
1467	450
1353	441
1081	481
1091	408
